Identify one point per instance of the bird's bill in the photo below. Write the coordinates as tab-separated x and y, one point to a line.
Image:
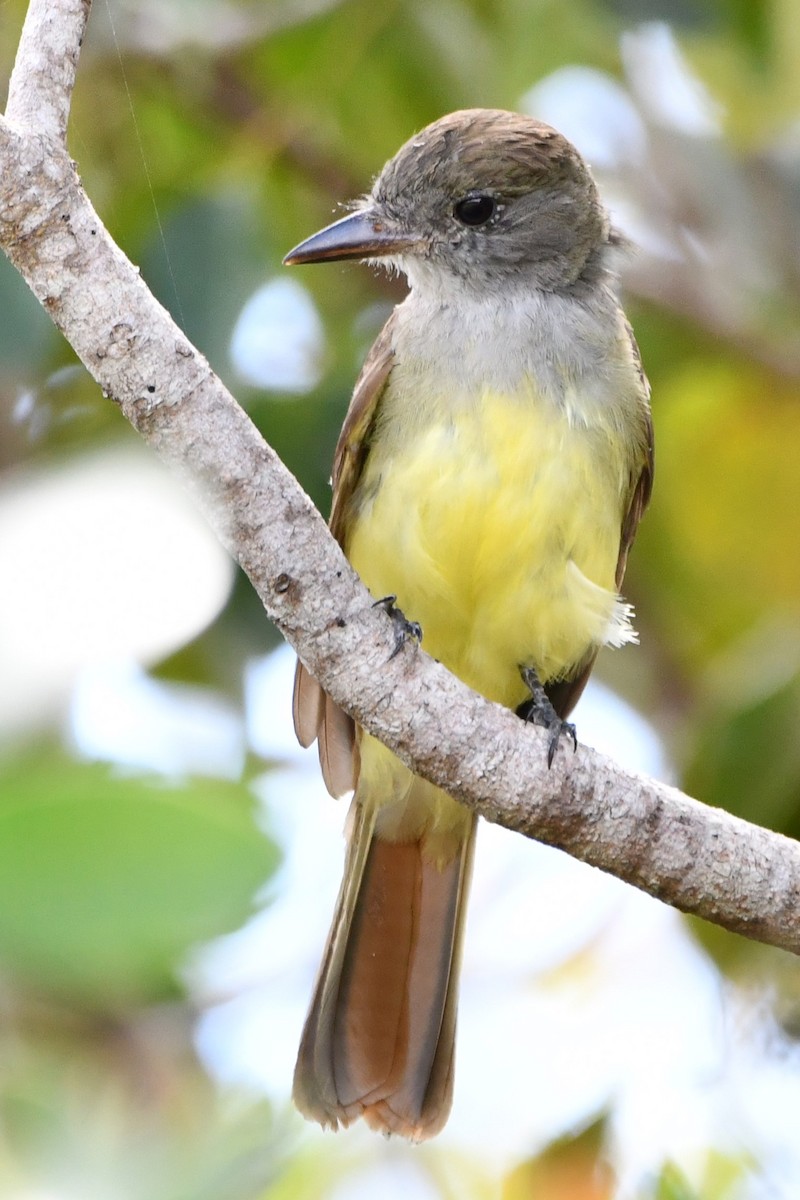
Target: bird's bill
360	235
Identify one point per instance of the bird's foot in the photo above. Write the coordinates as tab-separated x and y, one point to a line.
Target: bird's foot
540	711
403	628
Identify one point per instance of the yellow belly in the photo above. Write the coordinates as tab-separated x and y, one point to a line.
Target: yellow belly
498	529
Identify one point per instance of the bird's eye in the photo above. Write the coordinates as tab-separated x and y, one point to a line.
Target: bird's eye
475	209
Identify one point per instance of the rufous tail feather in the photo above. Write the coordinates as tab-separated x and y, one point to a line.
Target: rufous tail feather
380	1034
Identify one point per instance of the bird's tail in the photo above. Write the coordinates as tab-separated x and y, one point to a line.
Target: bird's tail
380	1034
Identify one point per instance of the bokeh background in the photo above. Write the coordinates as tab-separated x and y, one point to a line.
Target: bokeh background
168	859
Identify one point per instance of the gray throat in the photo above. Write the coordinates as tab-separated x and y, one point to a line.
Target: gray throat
464	341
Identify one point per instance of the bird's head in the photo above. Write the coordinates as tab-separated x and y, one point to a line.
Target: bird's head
482	196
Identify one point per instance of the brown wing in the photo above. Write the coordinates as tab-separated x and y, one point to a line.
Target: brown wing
565	693
351	449
643	486
316	717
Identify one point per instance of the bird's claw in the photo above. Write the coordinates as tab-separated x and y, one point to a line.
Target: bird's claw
403	628
558	729
540	711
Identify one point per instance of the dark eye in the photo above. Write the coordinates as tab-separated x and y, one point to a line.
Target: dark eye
475	209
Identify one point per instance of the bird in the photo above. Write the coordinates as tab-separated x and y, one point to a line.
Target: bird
492	470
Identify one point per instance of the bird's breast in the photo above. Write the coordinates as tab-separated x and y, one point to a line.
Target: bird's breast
495	519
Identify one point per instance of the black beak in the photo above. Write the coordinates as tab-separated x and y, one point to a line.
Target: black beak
363	234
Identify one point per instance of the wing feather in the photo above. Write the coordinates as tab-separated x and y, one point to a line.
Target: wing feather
641	485
315	714
308	704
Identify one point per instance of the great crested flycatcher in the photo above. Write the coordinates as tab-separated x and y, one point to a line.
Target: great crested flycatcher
491	472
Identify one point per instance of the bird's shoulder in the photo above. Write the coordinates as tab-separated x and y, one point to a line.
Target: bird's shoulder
352	446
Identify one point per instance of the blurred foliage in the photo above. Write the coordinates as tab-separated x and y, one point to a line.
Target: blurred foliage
123	1108
212	137
572	1168
77	844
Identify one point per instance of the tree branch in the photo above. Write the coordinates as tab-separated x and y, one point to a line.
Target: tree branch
699	859
40	88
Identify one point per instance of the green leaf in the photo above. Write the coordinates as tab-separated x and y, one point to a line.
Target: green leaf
673	1185
105	882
